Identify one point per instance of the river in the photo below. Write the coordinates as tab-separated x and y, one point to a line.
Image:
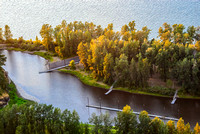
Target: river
26	17
66	91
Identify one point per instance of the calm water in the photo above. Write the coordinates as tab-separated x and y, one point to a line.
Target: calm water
25	17
66	91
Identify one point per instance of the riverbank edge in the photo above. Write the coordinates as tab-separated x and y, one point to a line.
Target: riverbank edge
14	96
44	54
87	80
92	82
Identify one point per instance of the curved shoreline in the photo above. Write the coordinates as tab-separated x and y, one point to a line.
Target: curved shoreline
118	89
105	86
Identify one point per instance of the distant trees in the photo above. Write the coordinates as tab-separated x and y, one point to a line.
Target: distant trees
64	38
47	34
7	34
1	35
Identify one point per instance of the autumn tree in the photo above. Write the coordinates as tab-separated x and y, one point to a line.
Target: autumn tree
72	65
165	32
47	34
7	33
126	121
157	126
182	128
197	129
171	127
1	35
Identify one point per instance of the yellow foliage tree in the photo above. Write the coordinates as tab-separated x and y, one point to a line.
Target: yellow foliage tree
197	129
197	45
127	109
171	127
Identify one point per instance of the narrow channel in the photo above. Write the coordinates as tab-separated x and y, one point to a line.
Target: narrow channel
66	91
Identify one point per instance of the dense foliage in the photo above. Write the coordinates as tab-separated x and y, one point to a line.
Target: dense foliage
36	118
130	59
3	81
127	56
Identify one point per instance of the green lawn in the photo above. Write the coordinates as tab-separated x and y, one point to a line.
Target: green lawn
45	55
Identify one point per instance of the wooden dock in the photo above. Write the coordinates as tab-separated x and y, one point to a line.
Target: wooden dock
60	64
137	113
50	70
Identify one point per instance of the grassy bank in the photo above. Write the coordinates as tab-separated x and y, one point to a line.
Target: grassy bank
153	91
45	55
86	79
15	49
14	96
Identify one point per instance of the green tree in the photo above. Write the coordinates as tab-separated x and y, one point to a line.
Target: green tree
126	121
1	35
143	126
186	72
133	73
102	124
121	68
71	122
163	62
108	66
158	127
47	34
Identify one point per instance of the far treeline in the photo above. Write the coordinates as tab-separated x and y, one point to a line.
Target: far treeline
126	56
45	119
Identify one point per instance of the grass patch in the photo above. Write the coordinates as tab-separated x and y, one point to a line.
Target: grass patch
14	98
45	55
15	49
86	79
